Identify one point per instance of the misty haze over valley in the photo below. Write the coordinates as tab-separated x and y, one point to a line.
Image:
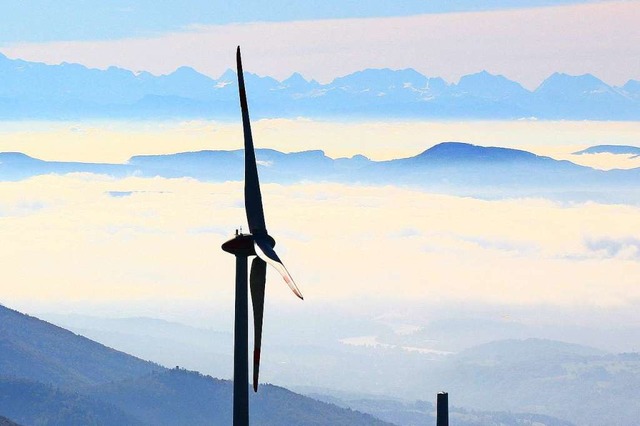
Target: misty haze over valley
454	186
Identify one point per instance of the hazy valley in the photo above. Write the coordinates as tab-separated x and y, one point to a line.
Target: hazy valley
480	379
454	187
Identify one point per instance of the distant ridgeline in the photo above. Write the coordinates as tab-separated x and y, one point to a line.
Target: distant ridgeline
30	90
6	422
449	168
51	376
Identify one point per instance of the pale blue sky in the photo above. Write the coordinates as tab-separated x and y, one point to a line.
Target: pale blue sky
525	43
47	20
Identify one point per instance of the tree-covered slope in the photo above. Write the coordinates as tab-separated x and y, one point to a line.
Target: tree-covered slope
37	350
51	376
6	422
32	403
180	397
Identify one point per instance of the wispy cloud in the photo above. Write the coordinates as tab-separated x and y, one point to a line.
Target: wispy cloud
73	20
526	45
623	248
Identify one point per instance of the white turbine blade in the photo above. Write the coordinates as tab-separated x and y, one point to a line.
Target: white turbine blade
266	253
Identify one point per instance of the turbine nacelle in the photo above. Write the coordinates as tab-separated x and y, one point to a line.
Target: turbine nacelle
244	245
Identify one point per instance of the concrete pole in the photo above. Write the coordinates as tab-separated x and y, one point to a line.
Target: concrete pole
442	409
241	346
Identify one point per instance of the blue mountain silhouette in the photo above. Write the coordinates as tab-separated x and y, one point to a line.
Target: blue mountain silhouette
449	167
49	375
611	149
72	91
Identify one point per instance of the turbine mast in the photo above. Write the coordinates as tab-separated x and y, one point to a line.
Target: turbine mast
242	247
442	409
241	346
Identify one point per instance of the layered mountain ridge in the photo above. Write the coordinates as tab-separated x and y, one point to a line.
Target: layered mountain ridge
450	167
51	376
31	90
150	394
94	384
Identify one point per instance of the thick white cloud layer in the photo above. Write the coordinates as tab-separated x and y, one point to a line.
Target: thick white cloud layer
99	240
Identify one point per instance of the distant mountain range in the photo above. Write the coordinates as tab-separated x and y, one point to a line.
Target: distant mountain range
451	168
423	413
632	151
31	90
490	384
51	376
573	382
577	384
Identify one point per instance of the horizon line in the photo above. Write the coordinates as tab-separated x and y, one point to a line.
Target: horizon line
136	73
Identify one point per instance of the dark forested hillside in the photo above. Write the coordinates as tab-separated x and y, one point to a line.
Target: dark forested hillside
6	422
51	376
181	397
32	403
37	350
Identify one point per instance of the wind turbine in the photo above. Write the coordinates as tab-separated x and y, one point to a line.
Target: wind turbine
260	244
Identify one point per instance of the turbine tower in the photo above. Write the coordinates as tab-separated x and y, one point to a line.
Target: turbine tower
260	244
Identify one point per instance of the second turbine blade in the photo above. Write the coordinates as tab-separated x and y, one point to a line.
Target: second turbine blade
257	283
265	251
